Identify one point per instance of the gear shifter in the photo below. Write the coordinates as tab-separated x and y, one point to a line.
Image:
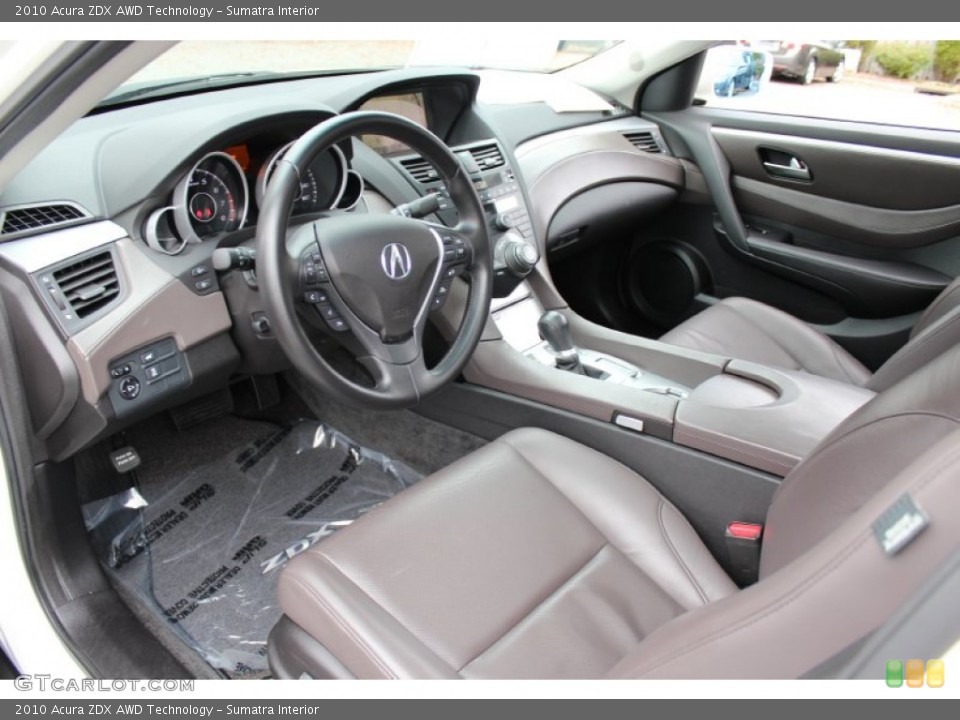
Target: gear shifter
555	329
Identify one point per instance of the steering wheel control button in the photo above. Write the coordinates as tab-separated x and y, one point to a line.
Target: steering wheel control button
129	388
312	270
314	297
328	311
338	324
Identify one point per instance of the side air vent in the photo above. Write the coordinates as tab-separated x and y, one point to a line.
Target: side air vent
88	285
487	156
645	141
422	171
25	219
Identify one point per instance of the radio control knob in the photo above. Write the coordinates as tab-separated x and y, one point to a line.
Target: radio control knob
502	222
520	257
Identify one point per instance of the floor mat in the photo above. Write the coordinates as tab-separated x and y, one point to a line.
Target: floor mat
203	548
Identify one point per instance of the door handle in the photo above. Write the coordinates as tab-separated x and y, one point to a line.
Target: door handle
794	169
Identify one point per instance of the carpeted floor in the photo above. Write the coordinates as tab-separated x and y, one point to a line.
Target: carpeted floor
201	540
423	444
194	547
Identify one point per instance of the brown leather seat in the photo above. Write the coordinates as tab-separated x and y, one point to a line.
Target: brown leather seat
538	557
749	330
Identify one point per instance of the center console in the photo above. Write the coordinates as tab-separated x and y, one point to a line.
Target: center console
763	418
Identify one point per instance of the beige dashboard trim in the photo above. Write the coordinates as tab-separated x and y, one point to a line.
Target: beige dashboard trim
157	305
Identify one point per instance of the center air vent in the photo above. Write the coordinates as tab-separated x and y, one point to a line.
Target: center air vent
420	169
645	141
25	219
88	285
487	156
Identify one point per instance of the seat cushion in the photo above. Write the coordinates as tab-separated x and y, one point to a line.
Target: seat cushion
748	330
534	557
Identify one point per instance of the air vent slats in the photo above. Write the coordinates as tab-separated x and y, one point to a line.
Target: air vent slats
487	156
24	219
88	285
645	141
420	169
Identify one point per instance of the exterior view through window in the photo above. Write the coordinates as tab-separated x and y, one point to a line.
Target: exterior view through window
902	82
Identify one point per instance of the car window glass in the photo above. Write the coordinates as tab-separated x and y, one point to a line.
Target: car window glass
911	83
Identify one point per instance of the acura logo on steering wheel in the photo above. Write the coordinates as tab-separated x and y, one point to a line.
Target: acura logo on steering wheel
395	261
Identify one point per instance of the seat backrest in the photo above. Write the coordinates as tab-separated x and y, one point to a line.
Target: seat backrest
937	330
825	580
859	457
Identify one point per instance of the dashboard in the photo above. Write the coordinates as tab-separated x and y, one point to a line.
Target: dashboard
110	238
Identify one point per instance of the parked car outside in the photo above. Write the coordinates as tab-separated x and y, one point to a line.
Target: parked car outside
806	60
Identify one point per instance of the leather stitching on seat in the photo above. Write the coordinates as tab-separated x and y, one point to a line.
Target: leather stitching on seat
506	633
344	625
676	554
663	533
788	597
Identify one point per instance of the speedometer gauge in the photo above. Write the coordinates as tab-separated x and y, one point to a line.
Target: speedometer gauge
321	184
211	199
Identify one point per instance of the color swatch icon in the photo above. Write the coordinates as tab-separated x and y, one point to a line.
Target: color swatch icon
912	672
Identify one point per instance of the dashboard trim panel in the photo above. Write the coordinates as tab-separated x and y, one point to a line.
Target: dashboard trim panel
41	251
159	306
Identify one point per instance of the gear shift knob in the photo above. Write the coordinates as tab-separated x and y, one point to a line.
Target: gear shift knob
555	329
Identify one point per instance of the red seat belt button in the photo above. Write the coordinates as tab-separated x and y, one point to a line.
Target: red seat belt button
744	531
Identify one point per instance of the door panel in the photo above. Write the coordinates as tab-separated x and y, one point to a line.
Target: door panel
865	217
860	223
867	175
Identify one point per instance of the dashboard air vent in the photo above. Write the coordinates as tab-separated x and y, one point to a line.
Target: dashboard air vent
25	218
645	141
422	171
487	156
88	285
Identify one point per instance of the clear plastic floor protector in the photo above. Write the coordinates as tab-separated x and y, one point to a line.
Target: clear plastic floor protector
204	550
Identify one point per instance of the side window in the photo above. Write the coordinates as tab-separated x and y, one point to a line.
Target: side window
906	82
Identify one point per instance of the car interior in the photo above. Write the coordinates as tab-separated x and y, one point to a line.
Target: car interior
407	373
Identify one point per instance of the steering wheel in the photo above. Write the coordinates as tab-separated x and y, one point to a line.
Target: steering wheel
379	276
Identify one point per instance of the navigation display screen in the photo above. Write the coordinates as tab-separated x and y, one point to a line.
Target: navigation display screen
409	105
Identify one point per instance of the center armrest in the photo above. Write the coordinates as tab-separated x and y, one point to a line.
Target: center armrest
765	418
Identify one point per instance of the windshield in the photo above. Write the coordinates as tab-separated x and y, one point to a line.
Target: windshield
197	60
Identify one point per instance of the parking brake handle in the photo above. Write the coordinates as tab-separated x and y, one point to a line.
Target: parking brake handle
555	329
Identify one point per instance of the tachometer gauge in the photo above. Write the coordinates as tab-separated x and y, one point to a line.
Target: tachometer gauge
211	199
321	185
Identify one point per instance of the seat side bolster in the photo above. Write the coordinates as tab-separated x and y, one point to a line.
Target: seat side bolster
369	642
932	341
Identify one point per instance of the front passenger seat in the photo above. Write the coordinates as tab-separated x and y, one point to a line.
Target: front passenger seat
750	330
536	557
